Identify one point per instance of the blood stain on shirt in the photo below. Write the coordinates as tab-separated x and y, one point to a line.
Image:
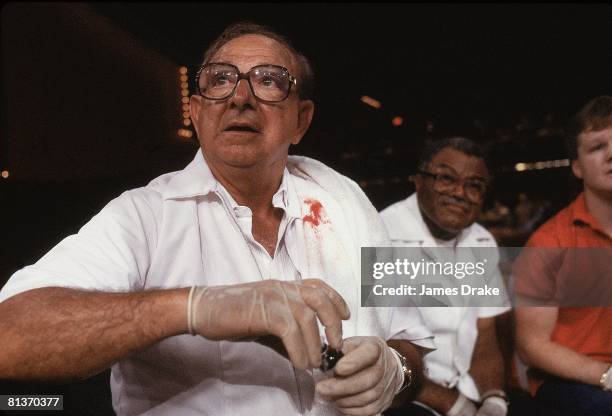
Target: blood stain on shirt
314	217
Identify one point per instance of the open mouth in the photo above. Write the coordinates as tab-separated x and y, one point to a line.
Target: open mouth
242	128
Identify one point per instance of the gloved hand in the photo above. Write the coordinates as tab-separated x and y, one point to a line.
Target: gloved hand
366	379
288	310
462	407
493	406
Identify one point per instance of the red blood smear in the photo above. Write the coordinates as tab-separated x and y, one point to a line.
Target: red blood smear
315	212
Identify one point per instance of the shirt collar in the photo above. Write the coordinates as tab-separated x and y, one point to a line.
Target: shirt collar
197	179
581	215
285	197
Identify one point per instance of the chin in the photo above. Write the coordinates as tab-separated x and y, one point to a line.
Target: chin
454	226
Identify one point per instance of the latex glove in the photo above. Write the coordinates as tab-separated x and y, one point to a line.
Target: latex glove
462	407
288	310
366	379
493	406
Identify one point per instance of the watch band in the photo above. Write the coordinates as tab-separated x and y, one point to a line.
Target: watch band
406	370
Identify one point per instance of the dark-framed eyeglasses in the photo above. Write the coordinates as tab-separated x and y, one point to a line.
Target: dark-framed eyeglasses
475	189
268	83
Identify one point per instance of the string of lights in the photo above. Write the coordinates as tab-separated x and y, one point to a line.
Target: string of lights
185	131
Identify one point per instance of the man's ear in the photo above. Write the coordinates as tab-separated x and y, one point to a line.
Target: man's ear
305	114
577	169
195	103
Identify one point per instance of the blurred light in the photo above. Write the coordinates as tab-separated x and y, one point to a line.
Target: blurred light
543	164
5	174
185	100
183	70
184	85
186	114
430	126
183	78
371	101
185	107
397	121
184	93
184	133
186	122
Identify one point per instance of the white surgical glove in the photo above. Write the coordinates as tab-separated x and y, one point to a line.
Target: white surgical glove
493	406
366	379
287	310
462	407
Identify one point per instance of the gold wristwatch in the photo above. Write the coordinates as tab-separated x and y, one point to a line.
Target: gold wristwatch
408	373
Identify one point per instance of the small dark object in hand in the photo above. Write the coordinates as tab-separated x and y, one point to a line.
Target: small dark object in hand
329	357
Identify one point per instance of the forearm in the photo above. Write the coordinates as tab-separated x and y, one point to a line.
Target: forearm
65	334
487	366
561	361
437	397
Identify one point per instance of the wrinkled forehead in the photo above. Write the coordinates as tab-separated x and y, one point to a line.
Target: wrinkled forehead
462	163
250	50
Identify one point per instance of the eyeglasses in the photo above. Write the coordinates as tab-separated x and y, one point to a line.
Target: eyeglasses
475	189
268	83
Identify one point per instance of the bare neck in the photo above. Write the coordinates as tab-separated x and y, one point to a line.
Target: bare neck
600	206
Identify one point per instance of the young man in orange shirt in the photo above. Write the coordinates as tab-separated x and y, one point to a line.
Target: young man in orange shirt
571	347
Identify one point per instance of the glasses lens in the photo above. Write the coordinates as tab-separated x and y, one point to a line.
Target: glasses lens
445	180
270	83
217	81
475	190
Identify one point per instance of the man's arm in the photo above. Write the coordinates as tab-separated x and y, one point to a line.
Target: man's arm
487	367
437	397
65	334
534	327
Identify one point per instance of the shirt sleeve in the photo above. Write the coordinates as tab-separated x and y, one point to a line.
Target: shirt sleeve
407	324
109	253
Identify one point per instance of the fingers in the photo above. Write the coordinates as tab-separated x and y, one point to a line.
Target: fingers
360	383
295	323
328	306
359	353
337	300
306	319
295	345
357	390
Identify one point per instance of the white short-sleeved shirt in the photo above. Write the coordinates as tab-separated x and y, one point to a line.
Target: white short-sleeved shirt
454	328
184	229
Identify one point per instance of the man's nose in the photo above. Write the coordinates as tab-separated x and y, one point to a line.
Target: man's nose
242	94
458	190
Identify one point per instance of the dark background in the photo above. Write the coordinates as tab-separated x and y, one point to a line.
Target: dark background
91	103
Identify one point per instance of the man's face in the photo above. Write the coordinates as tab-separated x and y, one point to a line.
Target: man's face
240	131
594	163
451	208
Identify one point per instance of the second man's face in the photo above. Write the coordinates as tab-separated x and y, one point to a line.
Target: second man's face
450	208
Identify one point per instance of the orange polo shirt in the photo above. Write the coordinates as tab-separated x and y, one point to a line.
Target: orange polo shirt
587	330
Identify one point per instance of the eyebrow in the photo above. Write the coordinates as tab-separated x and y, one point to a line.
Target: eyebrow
444	165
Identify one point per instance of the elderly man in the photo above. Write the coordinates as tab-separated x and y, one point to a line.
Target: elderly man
466	370
243	248
568	348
